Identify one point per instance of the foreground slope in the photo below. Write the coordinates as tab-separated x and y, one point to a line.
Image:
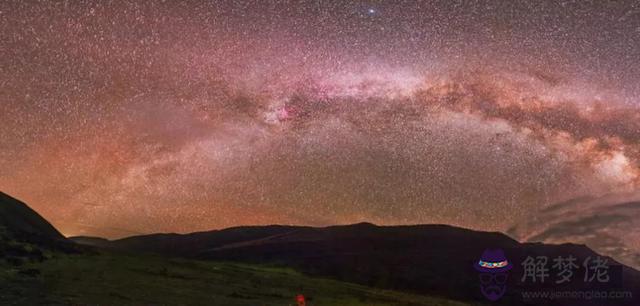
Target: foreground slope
108	279
38	266
432	260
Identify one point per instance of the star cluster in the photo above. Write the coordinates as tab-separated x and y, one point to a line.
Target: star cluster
130	117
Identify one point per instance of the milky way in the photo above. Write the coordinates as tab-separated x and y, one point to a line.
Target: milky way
121	118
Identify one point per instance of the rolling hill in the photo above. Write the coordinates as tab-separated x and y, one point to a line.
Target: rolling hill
38	266
20	222
359	264
432	260
25	236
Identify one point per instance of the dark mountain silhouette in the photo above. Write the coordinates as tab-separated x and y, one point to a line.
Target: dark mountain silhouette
20	221
431	260
25	236
426	259
190	245
38	266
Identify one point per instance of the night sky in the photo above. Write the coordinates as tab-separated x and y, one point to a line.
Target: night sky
119	118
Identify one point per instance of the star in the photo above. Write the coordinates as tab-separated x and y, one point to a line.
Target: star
140	117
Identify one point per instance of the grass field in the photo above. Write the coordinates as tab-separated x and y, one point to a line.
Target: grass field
110	279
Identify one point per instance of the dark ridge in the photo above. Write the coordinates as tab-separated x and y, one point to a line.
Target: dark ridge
20	220
430	259
25	236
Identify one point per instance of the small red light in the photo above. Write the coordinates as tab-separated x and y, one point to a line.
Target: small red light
300	299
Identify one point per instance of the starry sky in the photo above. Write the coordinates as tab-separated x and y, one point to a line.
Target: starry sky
127	117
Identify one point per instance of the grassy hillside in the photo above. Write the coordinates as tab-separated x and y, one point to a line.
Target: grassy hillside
38	266
108	279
